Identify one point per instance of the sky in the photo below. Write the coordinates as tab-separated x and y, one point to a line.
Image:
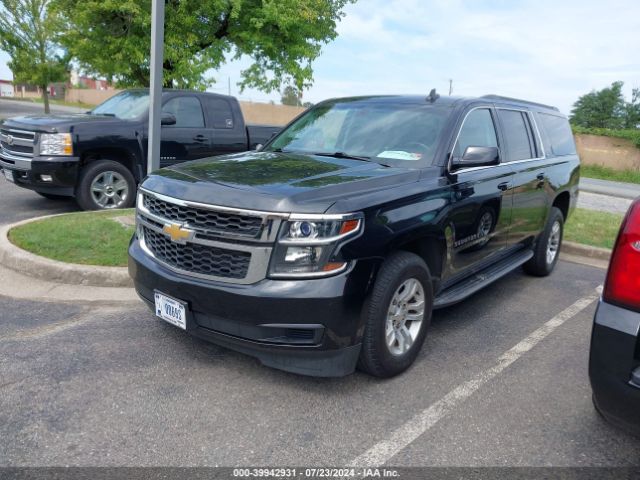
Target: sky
550	51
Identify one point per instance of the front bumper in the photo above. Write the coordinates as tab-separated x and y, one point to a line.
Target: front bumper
27	173
312	327
614	357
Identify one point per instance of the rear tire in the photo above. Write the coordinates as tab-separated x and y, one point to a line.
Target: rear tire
397	314
104	185
547	249
52	196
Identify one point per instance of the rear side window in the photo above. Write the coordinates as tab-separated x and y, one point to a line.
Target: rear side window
518	135
478	131
219	112
187	110
559	133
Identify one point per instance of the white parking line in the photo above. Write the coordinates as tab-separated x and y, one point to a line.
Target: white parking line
384	450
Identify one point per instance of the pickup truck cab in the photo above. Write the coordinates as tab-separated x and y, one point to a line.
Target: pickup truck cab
100	156
330	247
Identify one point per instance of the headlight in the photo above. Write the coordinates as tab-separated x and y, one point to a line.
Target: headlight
309	247
56	144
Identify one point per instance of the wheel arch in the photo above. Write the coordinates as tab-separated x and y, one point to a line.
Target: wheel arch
563	203
120	155
431	247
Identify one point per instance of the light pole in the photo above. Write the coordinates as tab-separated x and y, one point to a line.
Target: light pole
155	90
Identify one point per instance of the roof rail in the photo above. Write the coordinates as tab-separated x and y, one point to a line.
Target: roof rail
509	99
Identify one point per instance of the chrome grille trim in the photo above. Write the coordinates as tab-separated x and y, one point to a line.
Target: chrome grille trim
270	221
20	138
259	247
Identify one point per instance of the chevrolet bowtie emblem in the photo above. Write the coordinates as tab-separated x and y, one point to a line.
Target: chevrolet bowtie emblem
177	233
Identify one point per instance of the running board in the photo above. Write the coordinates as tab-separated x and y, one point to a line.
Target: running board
479	280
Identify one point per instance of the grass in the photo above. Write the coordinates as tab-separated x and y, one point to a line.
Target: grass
53	101
606	173
632	134
88	238
589	227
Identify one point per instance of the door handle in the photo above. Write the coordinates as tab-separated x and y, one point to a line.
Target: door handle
504	186
199	138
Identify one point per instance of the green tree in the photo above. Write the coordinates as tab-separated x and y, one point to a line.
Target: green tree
111	38
604	108
27	34
291	96
632	110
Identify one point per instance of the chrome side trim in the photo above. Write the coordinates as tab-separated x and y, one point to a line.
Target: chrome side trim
473	169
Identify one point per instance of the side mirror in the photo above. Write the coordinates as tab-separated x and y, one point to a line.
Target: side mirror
167	119
259	147
477	157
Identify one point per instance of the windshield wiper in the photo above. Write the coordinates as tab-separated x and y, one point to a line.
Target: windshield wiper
103	114
343	155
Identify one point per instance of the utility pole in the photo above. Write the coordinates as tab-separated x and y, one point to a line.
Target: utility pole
450	86
155	90
229	78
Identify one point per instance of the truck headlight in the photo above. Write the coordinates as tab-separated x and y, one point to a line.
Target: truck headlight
56	144
309	246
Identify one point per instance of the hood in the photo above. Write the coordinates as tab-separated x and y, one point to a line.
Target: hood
57	122
278	182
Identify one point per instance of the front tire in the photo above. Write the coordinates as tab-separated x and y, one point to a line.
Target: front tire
397	315
547	249
104	185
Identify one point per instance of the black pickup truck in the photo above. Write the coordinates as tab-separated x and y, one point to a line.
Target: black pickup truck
331	246
100	156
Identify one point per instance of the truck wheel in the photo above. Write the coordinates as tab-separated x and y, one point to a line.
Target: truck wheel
397	314
547	249
105	184
52	196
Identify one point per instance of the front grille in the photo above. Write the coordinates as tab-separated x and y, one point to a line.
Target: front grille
200	218
16	148
17	142
196	258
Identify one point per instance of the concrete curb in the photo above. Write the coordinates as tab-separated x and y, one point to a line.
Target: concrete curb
586	251
32	265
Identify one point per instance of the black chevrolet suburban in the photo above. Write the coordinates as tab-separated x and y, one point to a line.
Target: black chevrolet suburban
330	247
100	156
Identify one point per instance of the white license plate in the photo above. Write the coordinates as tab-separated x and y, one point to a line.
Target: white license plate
171	310
8	174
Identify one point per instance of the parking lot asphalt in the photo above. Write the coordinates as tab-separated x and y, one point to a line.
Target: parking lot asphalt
105	386
20	204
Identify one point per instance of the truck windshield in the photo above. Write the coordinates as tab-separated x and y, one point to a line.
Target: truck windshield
125	105
389	133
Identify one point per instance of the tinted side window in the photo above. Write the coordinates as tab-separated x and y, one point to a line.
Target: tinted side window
517	135
187	110
478	131
559	133
219	112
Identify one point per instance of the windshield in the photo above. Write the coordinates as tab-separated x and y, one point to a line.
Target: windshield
384	132
125	105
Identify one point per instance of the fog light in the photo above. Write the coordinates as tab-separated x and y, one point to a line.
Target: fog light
46	178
